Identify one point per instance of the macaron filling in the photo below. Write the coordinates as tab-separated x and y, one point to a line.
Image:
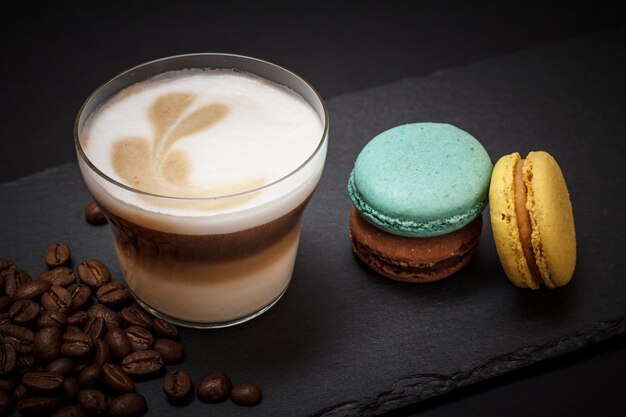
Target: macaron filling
523	222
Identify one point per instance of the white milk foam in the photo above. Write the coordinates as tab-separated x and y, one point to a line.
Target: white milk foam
267	132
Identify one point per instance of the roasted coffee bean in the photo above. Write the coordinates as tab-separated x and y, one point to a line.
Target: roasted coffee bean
135	317
76	344
14	278
215	387
94	273
58	299
24	312
143	363
139	338
25	363
95	327
70	389
21	338
5	302
5	264
8	359
69	411
93	214
78	319
47	344
171	351
6	403
112	294
164	328
102	352
110	317
118	343
61	365
57	254
51	319
43	382
37	406
31	290
247	393
128	405
61	276
73	329
90	376
8	383
178	387
20	392
81	295
93	402
116	379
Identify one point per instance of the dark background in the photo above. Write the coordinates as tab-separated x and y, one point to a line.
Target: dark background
55	56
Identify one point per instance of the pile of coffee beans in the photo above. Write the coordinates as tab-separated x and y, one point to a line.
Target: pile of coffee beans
72	345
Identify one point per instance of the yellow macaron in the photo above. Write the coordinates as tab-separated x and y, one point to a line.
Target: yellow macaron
532	220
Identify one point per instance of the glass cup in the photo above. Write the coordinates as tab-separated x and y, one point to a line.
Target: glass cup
220	268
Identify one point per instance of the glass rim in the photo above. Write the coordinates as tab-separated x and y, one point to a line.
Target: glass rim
119	184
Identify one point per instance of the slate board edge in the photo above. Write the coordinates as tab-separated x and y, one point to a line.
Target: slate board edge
413	389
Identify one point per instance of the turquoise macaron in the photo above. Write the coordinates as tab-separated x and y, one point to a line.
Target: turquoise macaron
421	179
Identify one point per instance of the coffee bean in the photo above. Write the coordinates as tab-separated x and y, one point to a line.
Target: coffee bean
25	363
178	387
89	376
247	393
81	295
93	402
134	317
73	329
128	405
6	403
8	383
116	379
142	363
171	351
61	276
24	312
58	299
8	359
31	290
94	273
51	319
69	411
14	278
102	352
57	254
112	294
164	328
61	365
5	264
139	338
76	344
70	389
47	344
21	338
78	319
43	382
5	303
37	406
93	214
95	327
110	317
118	343
215	387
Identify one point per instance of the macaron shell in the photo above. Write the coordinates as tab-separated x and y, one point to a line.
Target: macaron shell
421	179
550	208
504	222
415	260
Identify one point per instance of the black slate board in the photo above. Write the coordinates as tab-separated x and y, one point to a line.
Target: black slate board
344	341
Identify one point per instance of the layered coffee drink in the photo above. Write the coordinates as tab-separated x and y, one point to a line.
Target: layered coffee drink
204	174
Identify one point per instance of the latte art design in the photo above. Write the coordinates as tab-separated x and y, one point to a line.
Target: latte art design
154	166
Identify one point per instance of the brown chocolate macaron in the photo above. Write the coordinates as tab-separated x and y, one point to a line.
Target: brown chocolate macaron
410	259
